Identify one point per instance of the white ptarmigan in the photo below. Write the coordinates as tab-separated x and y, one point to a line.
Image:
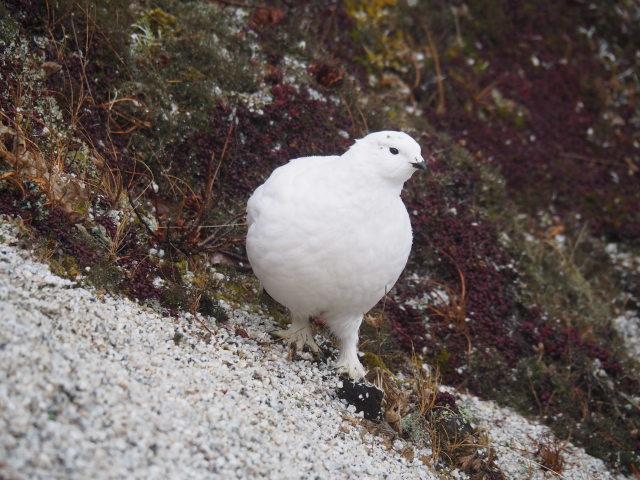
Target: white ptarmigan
329	236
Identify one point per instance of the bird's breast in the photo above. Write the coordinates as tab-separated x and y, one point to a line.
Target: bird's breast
319	252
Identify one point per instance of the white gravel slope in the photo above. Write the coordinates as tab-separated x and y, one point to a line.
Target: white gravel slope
96	387
516	441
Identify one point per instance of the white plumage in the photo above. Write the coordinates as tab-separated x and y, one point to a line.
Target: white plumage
329	236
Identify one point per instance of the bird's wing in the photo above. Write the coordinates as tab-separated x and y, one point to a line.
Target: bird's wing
253	205
279	183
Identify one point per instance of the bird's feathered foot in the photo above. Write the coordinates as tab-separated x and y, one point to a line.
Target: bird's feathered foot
351	367
345	328
298	336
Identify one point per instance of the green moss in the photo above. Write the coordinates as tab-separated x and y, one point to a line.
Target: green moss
519	121
383	40
161	22
105	275
416	428
65	266
209	306
182	266
184	60
178	296
490	21
443	358
364	11
573	282
371	360
8	27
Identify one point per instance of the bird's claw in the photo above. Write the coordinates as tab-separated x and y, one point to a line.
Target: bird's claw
298	338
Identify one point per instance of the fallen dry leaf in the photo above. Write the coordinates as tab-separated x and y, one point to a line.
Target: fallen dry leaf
51	67
265	16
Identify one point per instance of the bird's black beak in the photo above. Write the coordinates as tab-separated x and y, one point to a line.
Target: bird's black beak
422	165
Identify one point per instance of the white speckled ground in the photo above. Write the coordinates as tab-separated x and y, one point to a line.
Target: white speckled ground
515	441
96	387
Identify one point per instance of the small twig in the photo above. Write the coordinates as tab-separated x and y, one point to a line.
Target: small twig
540	465
346	104
97	30
440	106
198	319
574	247
222	225
418	77
330	22
211	178
136	122
240	258
585	158
483	93
235	3
363	118
216	234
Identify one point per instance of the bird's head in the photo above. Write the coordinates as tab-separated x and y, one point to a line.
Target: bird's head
391	155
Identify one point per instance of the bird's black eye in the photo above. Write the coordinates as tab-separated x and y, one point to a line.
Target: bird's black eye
394	150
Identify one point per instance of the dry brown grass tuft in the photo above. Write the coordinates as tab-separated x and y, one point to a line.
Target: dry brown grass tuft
450	305
65	191
395	400
550	454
